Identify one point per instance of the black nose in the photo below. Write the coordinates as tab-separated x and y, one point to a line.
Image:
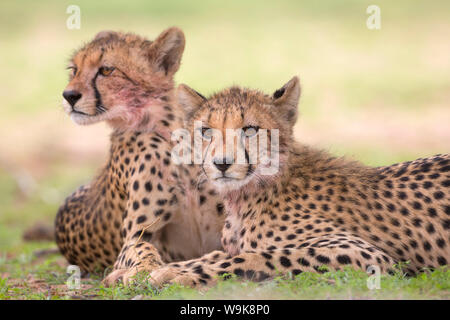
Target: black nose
72	96
222	166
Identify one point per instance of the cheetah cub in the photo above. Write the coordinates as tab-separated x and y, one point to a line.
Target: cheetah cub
315	210
142	210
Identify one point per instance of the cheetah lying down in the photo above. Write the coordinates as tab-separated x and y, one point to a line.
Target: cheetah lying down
141	210
317	209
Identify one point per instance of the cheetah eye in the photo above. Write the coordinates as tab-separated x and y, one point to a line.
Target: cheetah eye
250	131
206	132
105	71
73	69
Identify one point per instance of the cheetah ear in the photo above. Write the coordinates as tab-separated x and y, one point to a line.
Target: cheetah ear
166	51
286	100
105	34
189	100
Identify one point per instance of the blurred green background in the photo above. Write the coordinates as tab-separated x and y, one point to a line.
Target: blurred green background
380	96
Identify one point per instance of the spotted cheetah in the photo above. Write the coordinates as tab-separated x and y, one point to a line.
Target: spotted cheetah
316	210
141	210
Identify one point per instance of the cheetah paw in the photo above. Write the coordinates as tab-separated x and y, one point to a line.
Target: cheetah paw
164	275
126	276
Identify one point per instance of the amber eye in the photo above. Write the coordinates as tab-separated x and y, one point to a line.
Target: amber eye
73	70
250	131
105	71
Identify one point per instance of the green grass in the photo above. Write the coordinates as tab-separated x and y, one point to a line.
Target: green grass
353	81
48	281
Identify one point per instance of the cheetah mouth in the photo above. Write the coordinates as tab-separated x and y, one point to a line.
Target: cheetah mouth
79	113
225	179
82	118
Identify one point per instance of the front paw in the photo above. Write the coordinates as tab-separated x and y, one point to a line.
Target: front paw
114	277
125	276
168	274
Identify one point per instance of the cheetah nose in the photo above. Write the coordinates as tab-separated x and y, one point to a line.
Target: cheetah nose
222	165
72	96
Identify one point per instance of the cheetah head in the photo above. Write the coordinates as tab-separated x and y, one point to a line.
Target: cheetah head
122	78
241	137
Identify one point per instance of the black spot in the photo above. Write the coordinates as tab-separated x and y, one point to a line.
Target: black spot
417	205
343	259
419	258
303	262
404	211
291	236
141	219
296	272
161	202
438	195
430	228
387	194
266	255
427	184
432	212
442	261
322	259
219	208
440	243
365	255
402	195
285	262
427	246
446	224
167	216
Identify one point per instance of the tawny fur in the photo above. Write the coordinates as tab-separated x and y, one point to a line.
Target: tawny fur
321	210
142	210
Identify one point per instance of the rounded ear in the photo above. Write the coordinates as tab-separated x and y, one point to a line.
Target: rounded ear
104	34
189	100
286	100
166	51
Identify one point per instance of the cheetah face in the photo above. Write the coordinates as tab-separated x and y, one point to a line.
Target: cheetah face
241	136
119	78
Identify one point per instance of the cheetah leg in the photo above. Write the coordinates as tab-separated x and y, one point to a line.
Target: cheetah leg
134	258
142	219
137	255
261	265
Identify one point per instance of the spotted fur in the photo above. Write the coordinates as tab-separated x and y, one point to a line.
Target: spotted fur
320	210
142	210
